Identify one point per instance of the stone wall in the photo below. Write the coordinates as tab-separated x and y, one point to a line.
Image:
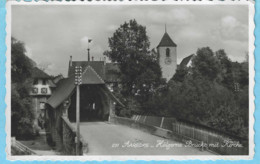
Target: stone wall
68	136
69	139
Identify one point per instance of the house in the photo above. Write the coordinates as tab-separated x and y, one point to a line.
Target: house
42	87
187	61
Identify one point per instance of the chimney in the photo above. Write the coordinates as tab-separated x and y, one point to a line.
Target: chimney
70	63
88	55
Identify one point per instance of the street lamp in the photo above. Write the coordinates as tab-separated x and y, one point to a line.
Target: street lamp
78	82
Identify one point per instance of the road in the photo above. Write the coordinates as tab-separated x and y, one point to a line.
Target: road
104	138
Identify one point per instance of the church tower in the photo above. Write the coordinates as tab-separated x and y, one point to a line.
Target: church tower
167	56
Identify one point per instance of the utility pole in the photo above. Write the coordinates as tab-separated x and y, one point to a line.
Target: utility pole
88	55
89	41
78	81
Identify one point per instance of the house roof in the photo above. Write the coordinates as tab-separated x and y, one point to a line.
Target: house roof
186	60
166	41
66	86
37	73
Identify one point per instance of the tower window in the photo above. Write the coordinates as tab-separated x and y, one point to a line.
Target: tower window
167	52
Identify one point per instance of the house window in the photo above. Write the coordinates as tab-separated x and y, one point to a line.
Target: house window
43	82
35	90
35	81
167	52
44	90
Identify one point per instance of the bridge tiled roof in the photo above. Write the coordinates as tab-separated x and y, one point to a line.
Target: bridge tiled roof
90	76
107	71
98	66
66	86
64	89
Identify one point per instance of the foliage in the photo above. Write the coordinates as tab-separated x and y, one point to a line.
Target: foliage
22	115
140	73
180	74
20	63
204	93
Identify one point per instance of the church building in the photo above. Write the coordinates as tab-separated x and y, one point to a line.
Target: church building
167	56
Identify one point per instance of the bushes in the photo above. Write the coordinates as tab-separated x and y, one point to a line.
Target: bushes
22	114
22	120
207	96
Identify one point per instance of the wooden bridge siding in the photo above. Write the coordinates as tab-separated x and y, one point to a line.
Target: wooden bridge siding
193	132
209	138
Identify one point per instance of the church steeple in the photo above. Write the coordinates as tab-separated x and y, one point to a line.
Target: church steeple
166	41
167	56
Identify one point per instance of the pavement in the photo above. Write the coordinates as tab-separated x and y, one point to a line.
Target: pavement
45	152
104	138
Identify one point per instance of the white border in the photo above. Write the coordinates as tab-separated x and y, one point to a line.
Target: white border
123	158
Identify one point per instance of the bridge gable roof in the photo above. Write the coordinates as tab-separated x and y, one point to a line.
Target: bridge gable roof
98	66
66	87
90	76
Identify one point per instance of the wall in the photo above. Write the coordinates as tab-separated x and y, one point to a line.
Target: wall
168	70
131	123
61	134
39	86
36	102
68	138
212	137
17	148
183	131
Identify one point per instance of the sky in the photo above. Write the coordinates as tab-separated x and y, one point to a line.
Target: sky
54	33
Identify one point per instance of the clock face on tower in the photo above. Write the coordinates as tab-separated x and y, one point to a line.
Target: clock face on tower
168	60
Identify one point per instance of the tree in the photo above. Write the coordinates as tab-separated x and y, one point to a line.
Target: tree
205	64
180	74
22	115
20	63
140	72
204	93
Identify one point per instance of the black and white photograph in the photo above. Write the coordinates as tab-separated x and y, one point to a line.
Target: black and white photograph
130	80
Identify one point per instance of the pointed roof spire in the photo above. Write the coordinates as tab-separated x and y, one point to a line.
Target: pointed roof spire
166	40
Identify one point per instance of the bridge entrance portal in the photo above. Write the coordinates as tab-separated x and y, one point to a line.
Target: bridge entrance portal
95	104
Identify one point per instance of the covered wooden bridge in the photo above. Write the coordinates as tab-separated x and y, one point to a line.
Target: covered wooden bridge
97	103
